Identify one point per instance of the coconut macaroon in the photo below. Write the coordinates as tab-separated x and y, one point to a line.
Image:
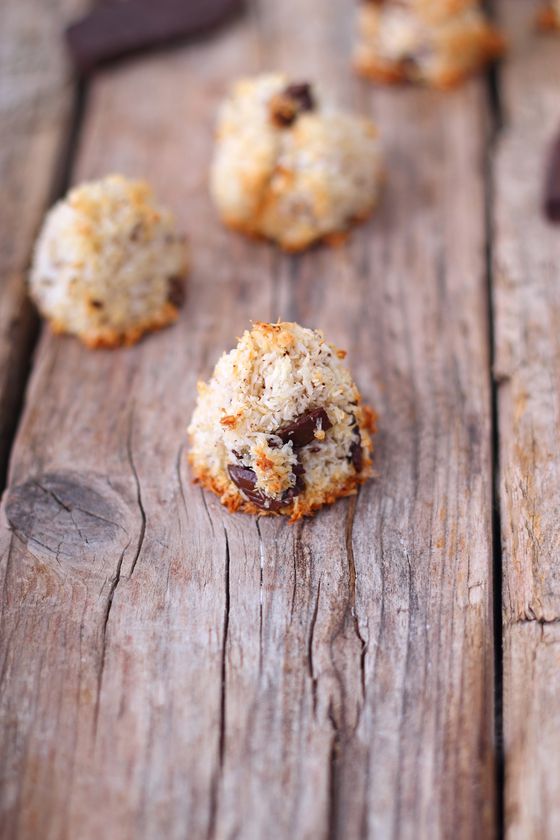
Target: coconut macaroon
549	16
289	167
435	42
280	428
109	263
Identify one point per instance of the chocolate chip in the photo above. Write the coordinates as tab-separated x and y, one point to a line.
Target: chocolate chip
301	431
115	29
291	493
552	184
97	304
356	454
298	486
302	94
287	105
176	291
245	478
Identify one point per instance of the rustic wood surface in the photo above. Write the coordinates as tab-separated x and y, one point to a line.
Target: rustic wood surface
169	670
527	317
36	98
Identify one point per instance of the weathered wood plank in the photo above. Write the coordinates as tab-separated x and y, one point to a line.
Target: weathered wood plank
36	96
527	312
190	673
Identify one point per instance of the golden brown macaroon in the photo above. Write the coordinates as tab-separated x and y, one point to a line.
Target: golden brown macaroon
109	263
288	167
434	42
280	428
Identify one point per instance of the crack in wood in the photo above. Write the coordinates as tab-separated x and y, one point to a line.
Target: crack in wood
114	583
311	669
222	742
297	553
496	380
50	492
205	504
334	788
261	573
352	590
142	533
217	775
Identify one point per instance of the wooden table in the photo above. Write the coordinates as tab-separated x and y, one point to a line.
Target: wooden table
389	669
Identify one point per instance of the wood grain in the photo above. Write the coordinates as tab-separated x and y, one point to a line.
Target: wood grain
527	307
36	96
191	673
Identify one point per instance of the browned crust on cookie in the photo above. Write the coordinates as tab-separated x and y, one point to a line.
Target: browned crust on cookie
493	45
112	339
235	502
333	239
548	20
381	71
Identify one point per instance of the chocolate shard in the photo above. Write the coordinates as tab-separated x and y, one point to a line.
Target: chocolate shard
298	487
302	94
286	106
117	28
246	479
262	501
356	453
552	184
301	431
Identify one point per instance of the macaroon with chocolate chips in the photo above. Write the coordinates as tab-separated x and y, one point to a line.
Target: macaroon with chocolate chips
109	263
434	42
289	167
280	428
549	16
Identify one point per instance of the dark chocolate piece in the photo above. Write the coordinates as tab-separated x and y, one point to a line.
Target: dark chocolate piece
287	105
299	485
302	430
356	455
245	478
261	501
176	291
552	184
302	94
119	27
